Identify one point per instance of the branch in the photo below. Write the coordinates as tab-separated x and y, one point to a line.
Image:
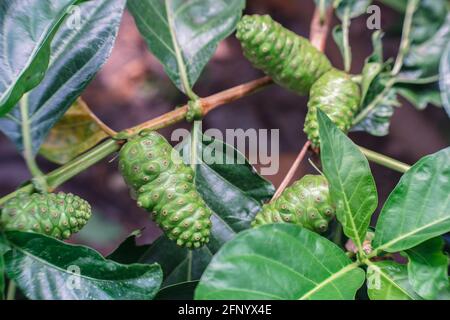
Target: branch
69	170
292	171
320	28
208	104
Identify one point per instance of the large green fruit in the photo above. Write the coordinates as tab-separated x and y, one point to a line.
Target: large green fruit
306	203
57	215
336	95
163	185
288	58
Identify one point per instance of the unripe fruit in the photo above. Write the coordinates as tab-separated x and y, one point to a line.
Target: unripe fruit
288	58
306	203
336	95
58	215
164	186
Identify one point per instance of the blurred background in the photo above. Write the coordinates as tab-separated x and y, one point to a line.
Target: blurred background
132	87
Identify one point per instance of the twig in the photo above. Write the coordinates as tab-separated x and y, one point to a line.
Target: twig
320	28
287	179
405	42
208	104
110	132
385	161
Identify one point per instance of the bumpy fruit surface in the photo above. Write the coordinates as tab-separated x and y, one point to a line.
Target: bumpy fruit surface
164	186
336	95
306	203
58	215
288	58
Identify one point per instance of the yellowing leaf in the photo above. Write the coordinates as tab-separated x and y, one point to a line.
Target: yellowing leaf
76	132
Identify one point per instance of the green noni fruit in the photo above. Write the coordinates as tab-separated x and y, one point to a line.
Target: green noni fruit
164	186
336	95
58	215
291	60
305	203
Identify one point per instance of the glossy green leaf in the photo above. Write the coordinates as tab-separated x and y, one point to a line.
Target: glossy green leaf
422	59
230	186
352	187
444	79
354	7
179	291
77	53
418	208
232	189
388	280
399	5
183	35
128	251
427	268
45	268
420	95
280	261
27	28
178	264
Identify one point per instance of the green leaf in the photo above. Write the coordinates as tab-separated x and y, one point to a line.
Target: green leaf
76	56
230	186
418	208
179	291
422	59
428	18
354	7
427	268
45	268
280	261
75	133
352	187
420	95
388	280
399	5
183	35
444	79
178	264
128	252
27	29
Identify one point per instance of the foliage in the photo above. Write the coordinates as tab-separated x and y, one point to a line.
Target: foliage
207	204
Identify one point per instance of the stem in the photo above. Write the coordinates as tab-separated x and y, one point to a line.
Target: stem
346	41
385	161
208	104
11	294
405	42
110	132
196	128
72	168
30	160
64	173
287	179
318	36
320	28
